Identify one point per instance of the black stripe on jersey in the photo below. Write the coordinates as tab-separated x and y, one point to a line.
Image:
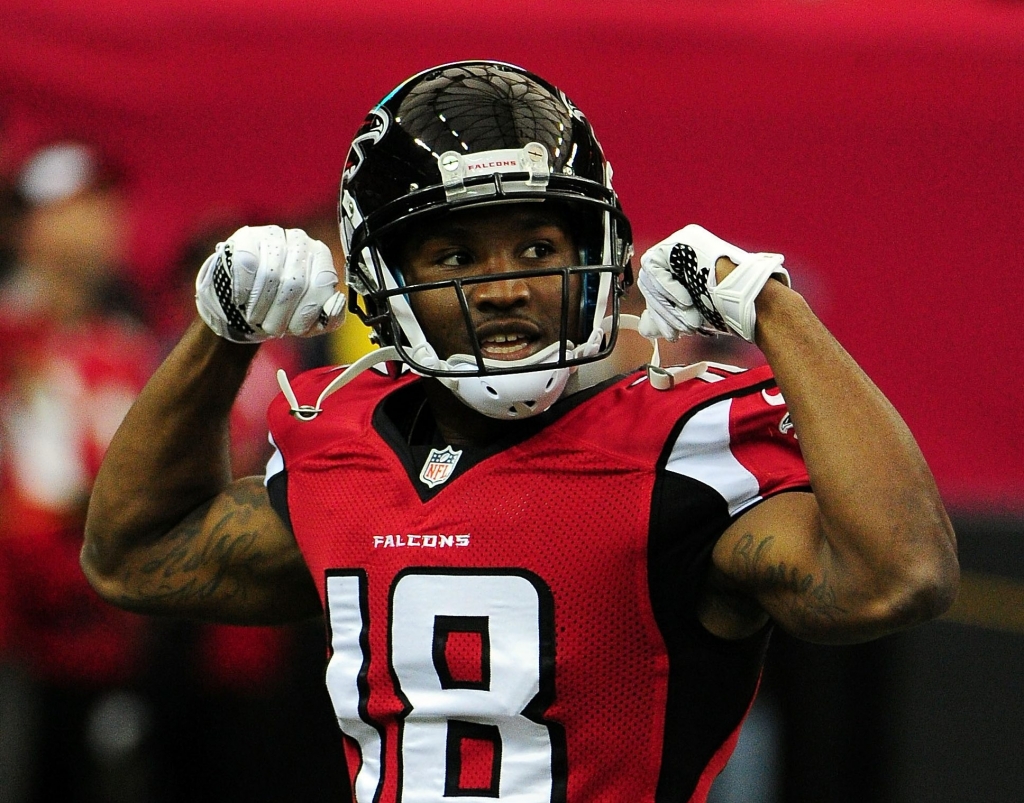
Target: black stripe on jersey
745	390
277	490
711	680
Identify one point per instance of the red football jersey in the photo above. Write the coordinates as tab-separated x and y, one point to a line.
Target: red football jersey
520	622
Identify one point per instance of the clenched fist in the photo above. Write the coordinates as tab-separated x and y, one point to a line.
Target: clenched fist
265	282
678	281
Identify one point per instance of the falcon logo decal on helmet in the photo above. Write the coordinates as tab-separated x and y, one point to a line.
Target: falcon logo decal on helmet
373	129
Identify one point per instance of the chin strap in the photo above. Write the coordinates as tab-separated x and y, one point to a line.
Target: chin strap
659	377
593	373
306	412
667	378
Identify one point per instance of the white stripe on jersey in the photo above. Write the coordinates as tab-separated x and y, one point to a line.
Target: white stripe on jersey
275	465
702	452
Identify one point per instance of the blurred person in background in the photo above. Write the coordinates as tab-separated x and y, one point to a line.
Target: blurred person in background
73	357
10	212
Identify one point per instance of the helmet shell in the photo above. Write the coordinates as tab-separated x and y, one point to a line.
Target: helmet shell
469	107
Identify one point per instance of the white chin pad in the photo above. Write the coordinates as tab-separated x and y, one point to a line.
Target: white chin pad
509	396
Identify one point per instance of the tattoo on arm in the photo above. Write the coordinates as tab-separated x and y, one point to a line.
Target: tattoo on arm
808	597
202	563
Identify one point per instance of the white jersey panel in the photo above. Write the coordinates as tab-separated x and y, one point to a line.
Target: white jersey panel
275	465
702	452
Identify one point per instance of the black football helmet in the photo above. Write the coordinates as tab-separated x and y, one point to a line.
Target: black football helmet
472	134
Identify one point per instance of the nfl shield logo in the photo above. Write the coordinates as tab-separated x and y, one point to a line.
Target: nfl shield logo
439	466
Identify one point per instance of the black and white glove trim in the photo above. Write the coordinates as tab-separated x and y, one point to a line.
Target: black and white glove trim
685	269
234	314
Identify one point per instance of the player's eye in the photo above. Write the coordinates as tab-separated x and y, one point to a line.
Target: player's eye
454	259
538	250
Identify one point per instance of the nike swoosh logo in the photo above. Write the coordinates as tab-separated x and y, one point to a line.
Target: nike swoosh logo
774	399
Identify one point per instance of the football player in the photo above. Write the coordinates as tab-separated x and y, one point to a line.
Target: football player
541	581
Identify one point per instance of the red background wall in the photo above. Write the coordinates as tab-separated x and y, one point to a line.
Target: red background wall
878	144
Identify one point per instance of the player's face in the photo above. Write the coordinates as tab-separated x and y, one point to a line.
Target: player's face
512	318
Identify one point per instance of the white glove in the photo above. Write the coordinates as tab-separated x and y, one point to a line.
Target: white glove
678	282
266	282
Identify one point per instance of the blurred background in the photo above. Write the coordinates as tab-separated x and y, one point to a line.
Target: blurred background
877	144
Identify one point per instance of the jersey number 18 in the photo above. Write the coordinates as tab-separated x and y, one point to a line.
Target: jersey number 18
472	658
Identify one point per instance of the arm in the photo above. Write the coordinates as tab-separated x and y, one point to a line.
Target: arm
872	550
168	531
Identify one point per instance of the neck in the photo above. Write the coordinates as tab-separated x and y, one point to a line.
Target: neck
460	425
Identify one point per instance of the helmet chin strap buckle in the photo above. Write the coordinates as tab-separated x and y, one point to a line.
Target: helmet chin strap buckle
307	412
303	412
592	346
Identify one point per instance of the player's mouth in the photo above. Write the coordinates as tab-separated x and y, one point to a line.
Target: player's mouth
508	344
507	347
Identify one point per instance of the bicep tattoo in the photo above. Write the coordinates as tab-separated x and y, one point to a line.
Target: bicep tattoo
216	560
807	596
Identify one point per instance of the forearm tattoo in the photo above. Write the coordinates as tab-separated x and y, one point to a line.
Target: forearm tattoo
811	598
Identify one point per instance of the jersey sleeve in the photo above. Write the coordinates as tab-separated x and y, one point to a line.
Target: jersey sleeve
742	446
